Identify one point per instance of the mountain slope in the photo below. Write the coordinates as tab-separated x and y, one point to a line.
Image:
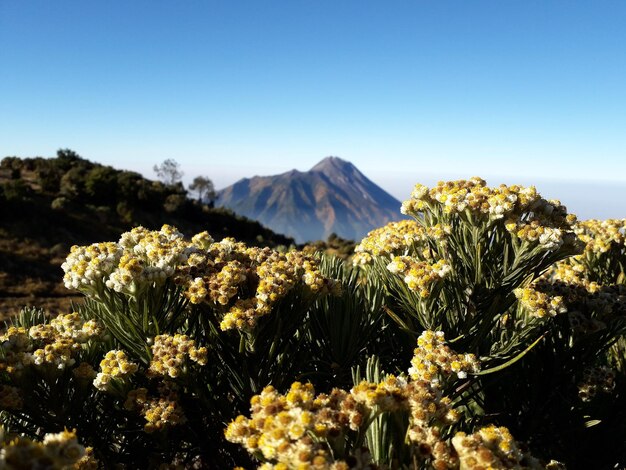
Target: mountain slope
332	197
49	204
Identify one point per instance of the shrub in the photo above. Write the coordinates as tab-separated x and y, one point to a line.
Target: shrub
59	203
100	185
487	326
174	203
15	191
72	184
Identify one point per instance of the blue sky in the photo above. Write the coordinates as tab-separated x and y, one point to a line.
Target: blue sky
409	91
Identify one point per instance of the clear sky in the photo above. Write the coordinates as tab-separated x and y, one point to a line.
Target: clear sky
408	91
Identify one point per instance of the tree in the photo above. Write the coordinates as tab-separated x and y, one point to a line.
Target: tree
67	159
169	171
100	184
205	189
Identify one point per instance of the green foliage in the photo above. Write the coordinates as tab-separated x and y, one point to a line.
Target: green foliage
174	203
127	186
134	199
99	182
72	185
15	191
345	329
68	159
11	163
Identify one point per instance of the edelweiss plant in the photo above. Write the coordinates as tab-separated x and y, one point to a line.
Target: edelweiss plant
175	335
482	265
59	451
456	266
492	313
406	420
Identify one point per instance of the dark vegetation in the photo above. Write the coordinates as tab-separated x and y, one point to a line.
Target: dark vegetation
49	204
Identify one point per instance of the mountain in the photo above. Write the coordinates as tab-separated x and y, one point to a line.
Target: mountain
332	197
49	204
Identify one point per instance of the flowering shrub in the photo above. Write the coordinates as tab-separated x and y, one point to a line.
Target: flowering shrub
57	451
479	334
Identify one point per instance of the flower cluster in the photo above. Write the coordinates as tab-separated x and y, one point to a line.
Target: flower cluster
419	275
539	304
170	355
224	285
589	304
491	447
597	379
56	452
87	461
473	195
17	350
294	429
548	238
58	354
87	266
299	427
302	430
433	359
396	238
568	272
528	216
242	282
247	281
161	412
387	395
140	258
114	368
202	240
70	326
428	410
600	235
53	345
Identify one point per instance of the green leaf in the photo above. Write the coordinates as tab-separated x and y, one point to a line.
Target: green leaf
513	360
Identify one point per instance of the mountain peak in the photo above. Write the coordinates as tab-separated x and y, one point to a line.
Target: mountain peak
333	197
333	164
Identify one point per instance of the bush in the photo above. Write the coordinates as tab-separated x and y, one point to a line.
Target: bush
72	184
11	163
125	212
100	185
59	203
128	185
174	203
15	191
489	325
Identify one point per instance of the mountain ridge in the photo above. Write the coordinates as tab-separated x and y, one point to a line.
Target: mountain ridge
332	197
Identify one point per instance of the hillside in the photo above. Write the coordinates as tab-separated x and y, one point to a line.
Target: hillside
48	205
332	197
